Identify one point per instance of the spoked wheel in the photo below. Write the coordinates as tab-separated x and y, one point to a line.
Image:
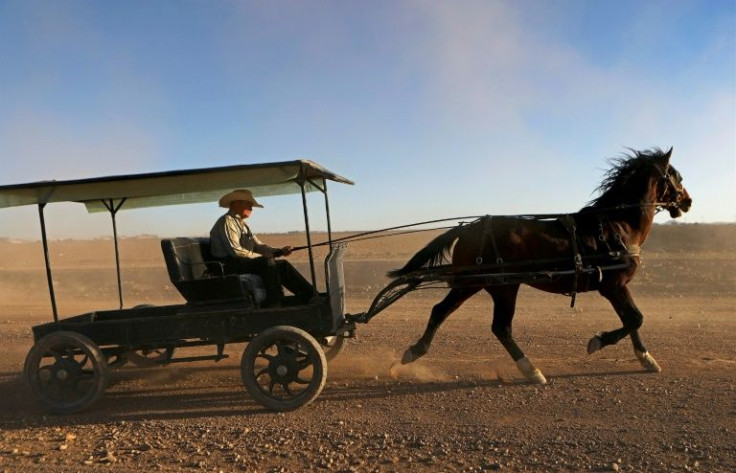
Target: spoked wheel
66	372
333	346
284	368
146	357
116	360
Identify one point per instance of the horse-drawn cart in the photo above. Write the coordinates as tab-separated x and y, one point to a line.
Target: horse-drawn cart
284	365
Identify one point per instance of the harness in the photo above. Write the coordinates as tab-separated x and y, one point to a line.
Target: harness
670	183
611	245
614	247
488	231
568	221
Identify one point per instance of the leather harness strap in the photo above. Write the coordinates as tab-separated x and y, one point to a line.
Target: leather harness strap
568	221
488	231
496	253
482	249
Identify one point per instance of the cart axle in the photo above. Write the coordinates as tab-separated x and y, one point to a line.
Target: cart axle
193	358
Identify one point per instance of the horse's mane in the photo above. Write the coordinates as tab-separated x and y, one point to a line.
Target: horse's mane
627	177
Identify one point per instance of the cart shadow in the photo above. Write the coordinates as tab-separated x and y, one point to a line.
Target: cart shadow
128	400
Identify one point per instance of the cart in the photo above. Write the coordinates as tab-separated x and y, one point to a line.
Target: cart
284	364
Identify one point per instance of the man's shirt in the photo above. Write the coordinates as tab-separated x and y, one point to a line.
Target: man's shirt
230	236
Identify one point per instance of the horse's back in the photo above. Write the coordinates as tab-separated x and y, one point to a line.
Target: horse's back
512	239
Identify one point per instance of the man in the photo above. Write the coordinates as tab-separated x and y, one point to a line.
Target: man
233	243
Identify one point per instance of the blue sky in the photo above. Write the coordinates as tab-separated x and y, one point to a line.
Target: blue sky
435	109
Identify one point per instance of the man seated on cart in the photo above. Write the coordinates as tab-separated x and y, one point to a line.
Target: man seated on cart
241	252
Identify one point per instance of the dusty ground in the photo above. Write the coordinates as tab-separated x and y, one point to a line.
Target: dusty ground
463	407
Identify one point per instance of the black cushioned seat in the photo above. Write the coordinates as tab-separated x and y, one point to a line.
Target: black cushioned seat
199	277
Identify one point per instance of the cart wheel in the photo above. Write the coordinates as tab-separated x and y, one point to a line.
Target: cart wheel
66	371
116	360
284	368
333	346
146	357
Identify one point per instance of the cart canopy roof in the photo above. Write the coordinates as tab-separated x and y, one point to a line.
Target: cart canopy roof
173	187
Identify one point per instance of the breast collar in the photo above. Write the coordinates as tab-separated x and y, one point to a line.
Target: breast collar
614	243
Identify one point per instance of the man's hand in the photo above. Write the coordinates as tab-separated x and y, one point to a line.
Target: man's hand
285	251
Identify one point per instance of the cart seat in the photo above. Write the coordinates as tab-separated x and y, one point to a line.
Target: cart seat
200	278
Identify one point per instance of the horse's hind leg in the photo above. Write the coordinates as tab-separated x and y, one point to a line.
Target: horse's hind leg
504	306
440	312
632	319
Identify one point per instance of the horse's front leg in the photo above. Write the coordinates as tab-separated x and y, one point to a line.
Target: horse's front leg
632	318
440	312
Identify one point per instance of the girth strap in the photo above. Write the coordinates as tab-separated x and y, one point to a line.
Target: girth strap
568	221
488	232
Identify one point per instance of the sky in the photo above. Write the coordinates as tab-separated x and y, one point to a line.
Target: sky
435	109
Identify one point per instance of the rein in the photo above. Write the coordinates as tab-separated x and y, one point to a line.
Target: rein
364	235
466	220
659	205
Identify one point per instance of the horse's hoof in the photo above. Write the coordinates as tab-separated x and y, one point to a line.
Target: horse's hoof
537	377
408	357
530	372
595	344
648	362
413	353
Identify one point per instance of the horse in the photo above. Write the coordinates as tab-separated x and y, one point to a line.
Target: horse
597	248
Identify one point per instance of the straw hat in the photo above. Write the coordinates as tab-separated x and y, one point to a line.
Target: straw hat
240	194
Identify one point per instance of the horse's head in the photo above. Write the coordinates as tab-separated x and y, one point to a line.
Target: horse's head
670	191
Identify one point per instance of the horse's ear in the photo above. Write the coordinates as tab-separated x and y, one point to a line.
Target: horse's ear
666	157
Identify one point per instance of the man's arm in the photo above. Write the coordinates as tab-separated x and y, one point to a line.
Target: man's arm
233	232
270	251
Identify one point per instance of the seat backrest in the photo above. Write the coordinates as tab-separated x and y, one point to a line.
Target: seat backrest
184	258
186	261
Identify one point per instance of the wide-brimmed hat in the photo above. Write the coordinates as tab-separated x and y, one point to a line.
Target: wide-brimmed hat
239	194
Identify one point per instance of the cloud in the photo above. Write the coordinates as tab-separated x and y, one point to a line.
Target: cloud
528	98
492	68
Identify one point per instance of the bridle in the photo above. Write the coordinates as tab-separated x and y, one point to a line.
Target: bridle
664	200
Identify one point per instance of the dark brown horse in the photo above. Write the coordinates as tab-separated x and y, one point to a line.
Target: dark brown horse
597	248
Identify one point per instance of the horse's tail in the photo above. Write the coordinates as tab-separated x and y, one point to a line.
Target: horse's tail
434	254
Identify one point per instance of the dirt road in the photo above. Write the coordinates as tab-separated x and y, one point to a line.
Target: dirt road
463	407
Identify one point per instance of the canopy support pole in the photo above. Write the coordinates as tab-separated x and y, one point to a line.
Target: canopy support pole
309	235
327	212
45	243
329	229
110	205
322	188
